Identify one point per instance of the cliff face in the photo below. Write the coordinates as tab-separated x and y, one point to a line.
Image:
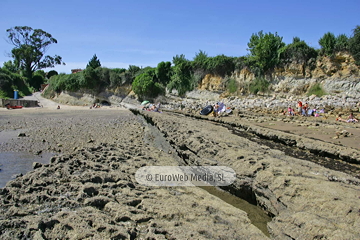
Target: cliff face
336	75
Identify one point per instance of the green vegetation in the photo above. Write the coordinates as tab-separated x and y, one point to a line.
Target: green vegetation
267	51
259	85
264	52
94	62
182	78
145	86
29	50
12	81
232	86
327	43
342	43
297	51
317	90
51	73
354	45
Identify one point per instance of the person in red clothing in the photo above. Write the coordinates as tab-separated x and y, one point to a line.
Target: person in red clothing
299	107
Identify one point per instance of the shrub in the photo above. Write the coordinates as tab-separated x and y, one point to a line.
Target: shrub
317	90
327	43
298	51
145	87
183	79
12	81
259	85
220	65
232	86
342	43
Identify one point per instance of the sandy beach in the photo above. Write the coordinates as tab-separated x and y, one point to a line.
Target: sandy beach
87	190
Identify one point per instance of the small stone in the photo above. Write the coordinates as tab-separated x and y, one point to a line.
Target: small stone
22	135
36	165
38	152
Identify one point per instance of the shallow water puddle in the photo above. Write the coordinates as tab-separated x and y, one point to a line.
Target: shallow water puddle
13	163
256	215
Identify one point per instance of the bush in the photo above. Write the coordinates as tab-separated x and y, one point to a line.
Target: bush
298	51
259	85
183	79
317	90
327	43
145	87
232	86
220	65
342	43
12	81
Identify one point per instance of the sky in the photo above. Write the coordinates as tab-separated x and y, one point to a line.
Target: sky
146	32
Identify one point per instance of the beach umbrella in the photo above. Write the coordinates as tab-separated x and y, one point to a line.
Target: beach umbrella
144	102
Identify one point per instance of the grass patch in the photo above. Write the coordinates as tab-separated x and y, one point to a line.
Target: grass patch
317	90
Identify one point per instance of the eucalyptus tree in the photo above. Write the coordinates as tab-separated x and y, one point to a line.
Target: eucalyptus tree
30	46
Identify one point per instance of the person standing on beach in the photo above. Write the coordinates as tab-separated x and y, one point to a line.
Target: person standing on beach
299	107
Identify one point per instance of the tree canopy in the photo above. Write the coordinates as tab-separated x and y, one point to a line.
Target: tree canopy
354	44
30	46
264	51
94	62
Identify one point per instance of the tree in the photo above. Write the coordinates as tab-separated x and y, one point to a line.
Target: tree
354	45
145	86
51	73
327	43
264	51
30	48
220	65
182	80
163	72
200	61
11	66
297	51
94	62
342	43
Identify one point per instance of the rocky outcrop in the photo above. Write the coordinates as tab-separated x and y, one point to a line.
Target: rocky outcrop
336	75
308	201
81	98
211	83
90	192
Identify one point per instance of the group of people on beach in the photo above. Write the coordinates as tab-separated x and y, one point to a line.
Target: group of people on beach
152	107
219	108
351	119
305	110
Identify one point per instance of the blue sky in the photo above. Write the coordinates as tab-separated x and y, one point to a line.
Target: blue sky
146	32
